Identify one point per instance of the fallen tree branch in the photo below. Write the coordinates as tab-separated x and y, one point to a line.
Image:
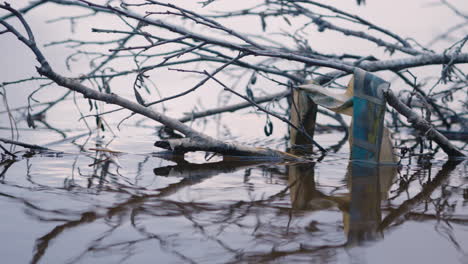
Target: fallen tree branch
391	64
7	152
23	144
194	139
422	125
234	107
182	145
246	49
260	108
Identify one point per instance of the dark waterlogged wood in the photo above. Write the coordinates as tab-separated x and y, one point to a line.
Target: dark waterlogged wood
182	145
303	115
23	144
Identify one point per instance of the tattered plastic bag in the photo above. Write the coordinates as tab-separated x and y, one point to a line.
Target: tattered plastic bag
364	101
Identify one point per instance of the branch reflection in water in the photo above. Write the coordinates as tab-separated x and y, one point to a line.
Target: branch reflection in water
189	220
367	185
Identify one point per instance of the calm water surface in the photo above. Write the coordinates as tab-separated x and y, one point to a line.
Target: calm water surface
91	206
78	205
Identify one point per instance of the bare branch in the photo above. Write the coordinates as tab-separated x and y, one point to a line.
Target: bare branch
76	86
421	124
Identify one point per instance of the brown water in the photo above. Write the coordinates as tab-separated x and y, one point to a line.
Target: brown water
94	207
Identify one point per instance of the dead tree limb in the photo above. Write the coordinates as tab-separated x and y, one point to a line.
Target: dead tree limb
182	145
242	44
391	64
194	140
423	125
234	107
23	144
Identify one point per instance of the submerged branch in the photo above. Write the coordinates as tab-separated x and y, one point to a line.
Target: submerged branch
181	145
23	144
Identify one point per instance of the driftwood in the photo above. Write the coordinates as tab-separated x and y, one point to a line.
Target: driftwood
182	145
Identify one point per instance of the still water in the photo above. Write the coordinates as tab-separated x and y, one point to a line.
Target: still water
80	205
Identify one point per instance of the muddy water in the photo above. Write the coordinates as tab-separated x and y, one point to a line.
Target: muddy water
79	205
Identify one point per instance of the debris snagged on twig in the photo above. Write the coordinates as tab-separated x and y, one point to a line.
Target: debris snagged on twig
365	100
